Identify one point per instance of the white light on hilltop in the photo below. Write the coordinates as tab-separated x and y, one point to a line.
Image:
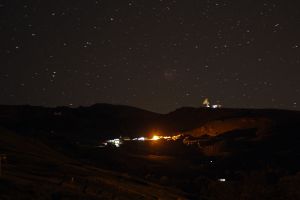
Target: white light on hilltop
216	106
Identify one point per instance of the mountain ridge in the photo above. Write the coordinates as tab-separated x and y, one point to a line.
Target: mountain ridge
108	120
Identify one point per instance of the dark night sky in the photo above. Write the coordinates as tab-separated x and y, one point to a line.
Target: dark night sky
154	54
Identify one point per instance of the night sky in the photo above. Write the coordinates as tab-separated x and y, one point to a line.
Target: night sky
154	54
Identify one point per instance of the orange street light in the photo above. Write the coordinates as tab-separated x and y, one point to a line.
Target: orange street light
155	137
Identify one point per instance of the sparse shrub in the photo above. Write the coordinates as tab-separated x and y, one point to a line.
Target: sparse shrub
164	180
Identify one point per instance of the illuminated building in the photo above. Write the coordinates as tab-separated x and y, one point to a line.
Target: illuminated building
206	103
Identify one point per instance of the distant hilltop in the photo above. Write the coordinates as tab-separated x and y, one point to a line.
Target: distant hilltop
207	104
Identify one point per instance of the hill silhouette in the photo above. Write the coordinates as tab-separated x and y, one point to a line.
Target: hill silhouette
52	153
105	120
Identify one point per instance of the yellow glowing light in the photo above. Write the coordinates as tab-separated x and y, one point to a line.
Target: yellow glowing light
155	137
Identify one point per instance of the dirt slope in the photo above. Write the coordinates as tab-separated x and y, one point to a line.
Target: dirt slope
219	127
32	170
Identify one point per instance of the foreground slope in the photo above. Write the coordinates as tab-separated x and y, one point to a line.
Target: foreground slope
32	170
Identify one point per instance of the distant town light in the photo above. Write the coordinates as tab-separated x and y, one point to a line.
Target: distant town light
119	141
222	179
115	142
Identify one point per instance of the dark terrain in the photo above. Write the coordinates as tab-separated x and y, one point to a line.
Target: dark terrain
52	153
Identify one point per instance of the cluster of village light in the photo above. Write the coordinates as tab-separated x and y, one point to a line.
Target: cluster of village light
119	141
